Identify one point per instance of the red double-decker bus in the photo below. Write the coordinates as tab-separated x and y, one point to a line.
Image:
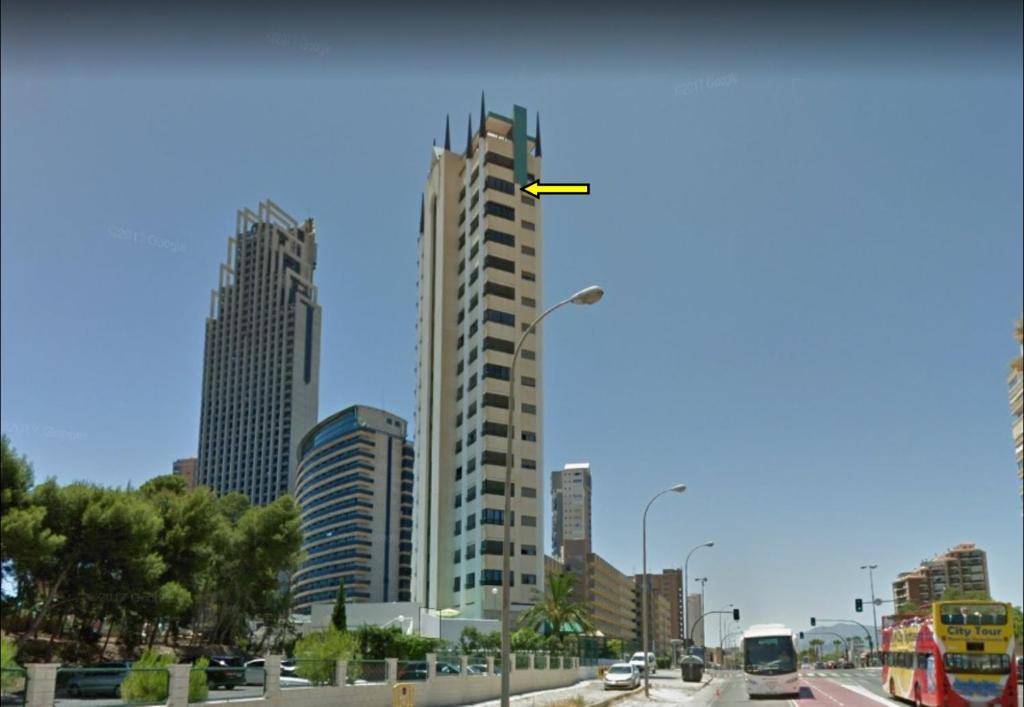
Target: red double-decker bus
959	654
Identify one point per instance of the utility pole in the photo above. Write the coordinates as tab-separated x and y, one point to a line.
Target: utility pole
874	610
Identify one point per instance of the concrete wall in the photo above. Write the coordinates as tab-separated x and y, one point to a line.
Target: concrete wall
436	691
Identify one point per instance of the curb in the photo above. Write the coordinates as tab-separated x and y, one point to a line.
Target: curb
621	696
637	691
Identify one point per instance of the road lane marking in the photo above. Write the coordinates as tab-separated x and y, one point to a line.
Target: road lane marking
821	691
863	691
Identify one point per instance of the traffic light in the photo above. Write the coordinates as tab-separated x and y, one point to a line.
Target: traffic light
858	604
801	635
735	614
814	621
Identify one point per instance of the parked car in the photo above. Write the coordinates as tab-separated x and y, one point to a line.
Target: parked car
291	681
476	669
255	672
226	671
650	664
819	665
102	679
417	670
847	665
622	675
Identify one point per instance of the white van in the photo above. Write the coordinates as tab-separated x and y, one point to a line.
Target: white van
642	665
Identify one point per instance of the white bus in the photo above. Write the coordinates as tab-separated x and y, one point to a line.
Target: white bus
770	660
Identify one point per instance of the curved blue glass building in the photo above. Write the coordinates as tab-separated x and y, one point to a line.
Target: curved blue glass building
354	484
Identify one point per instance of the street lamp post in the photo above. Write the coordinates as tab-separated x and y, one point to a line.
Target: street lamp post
686	592
721	646
703	631
644	589
874	611
588	295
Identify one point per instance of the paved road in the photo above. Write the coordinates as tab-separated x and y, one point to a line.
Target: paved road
823	688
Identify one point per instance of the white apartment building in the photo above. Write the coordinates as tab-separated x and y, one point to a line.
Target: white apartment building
480	275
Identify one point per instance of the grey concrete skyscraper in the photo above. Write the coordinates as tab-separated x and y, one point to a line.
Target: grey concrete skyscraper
480	254
570	507
261	367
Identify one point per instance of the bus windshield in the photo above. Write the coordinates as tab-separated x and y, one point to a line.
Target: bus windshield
991	663
769	655
974	614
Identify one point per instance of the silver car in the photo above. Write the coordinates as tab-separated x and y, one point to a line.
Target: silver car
102	679
622	675
255	671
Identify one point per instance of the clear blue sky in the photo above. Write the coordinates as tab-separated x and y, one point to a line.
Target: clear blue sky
812	264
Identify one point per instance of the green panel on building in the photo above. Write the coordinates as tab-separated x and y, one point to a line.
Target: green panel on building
519	141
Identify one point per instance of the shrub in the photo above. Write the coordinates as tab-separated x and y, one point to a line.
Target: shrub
198	689
146	681
317	653
526	640
376	643
10	679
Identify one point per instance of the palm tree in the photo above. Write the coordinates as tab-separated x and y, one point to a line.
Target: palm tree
556	608
836	644
816	643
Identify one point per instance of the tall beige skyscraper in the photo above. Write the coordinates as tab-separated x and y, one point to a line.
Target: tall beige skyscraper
261	367
1016	383
480	254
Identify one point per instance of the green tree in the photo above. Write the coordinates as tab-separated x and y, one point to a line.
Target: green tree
25	540
339	618
1018	625
110	538
907	607
614	648
556	610
469	639
255	549
816	644
526	640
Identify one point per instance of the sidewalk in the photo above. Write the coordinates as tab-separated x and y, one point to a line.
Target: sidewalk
592	692
671	692
663	690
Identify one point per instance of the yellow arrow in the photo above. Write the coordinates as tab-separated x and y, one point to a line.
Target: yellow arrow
535	188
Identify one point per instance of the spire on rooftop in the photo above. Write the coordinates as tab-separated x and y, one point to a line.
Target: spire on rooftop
469	136
537	150
447	134
483	115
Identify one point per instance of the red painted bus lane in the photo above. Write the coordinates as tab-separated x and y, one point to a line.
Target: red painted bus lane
831	694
